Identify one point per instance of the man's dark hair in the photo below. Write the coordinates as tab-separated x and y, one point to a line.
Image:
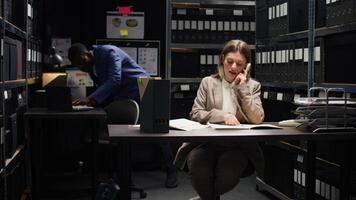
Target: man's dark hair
75	52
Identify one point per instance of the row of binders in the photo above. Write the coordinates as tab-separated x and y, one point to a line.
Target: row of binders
340	12
195	25
287	63
324	189
208	64
288	16
34	58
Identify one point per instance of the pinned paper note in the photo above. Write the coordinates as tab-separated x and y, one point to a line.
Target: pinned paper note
124	10
123	32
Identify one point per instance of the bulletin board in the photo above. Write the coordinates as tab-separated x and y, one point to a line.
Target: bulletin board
145	52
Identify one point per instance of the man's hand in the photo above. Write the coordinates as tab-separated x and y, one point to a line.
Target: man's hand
86	101
230	119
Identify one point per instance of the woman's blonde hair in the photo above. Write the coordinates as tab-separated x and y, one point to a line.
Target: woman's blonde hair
233	46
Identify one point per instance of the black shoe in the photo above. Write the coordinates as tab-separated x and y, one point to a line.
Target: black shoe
171	179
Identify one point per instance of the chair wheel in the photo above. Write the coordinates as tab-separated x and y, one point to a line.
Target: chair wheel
143	195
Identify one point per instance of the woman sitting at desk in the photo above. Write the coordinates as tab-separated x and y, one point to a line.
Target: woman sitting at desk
229	97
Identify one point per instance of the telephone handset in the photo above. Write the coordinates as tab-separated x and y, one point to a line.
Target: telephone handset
247	70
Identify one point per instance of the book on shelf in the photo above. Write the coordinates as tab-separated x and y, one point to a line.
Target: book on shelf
185	124
243	126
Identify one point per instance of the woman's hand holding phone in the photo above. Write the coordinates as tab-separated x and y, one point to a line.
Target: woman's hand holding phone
243	76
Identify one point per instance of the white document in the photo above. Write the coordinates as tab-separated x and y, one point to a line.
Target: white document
243	126
185	124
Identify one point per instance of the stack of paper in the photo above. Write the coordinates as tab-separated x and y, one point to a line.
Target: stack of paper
185	124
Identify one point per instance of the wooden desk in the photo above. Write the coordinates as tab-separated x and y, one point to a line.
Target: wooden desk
124	135
36	117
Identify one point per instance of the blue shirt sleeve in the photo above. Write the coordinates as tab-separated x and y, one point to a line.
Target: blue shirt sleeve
113	79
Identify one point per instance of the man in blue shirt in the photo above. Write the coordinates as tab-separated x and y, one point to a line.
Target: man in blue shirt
116	75
115	72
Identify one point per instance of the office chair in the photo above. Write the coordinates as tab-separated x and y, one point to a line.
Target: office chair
124	111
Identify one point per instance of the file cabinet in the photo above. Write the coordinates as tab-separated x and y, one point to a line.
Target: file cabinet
20	66
282	59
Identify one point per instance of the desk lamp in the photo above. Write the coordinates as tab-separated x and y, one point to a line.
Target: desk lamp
54	60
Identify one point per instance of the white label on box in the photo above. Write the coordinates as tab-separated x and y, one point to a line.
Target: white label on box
233	26
291	51
299	177
282	10
220	26
265	95
279	96
207	25
184	87
200	25
328	2
303	179
273	12
227	25
28	54
306	54
238	12
300	158
296	97
285	5
216	59
277	11
322	189
278	56
317	54
263	57
213	25
194	25
258	54
209	60
180	24
186	24
270	13
5	95
239	26
327	191
203	59
209	12
317	186
29	11
246	26
295	175
252	26
283	56
181	11
300	53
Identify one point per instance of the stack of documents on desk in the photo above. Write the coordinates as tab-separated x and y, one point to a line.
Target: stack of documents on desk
185	124
243	126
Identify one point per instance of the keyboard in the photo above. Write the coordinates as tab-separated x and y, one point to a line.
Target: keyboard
82	107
